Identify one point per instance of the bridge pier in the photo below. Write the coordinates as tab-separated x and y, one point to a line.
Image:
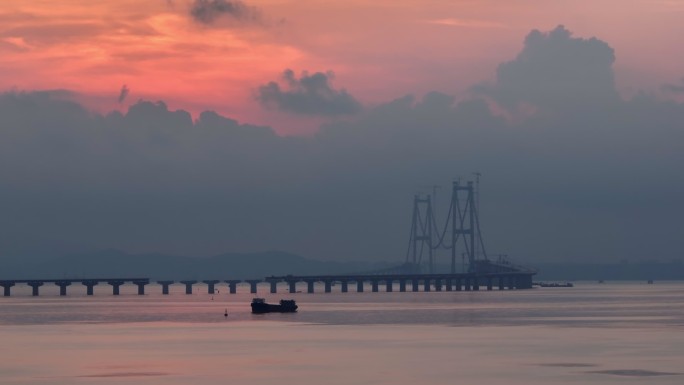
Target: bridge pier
115	286
274	286
293	286
141	286
211	285
447	284
232	285
63	287
34	285
253	285
165	286
310	286
414	285
6	285
188	286
89	284
419	282
374	285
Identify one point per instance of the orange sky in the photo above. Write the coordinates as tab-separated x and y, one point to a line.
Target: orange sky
378	49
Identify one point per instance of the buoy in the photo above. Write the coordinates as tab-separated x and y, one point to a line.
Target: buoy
225	314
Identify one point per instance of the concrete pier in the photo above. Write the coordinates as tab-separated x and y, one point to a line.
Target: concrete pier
388	285
374	285
232	285
63	287
293	286
211	285
6	285
438	284
310	286
34	286
274	287
188	286
426	285
253	285
345	286
402	285
359	286
115	286
89	284
141	286
415	285
165	286
457	284
448	284
328	286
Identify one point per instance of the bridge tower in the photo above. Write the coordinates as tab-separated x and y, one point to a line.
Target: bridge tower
464	221
421	231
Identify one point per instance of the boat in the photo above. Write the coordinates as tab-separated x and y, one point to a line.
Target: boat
556	284
259	306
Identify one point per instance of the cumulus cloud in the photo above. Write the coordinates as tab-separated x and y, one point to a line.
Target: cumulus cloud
153	179
555	72
209	11
308	95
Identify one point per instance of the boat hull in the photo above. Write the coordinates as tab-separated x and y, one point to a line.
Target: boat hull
261	308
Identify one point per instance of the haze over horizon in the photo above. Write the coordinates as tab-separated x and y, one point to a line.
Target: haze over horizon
211	126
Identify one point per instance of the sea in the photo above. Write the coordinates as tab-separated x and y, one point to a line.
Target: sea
608	333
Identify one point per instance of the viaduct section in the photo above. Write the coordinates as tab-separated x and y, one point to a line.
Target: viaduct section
89	283
405	282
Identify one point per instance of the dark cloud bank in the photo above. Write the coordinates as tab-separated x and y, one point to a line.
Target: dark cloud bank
573	172
308	95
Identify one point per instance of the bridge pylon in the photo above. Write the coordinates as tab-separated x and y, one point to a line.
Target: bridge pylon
463	225
421	231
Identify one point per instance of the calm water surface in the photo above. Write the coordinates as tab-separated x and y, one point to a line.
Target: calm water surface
590	334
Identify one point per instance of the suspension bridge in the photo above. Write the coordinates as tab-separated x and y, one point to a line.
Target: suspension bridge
460	235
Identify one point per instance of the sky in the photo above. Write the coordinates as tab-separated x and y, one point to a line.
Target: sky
204	126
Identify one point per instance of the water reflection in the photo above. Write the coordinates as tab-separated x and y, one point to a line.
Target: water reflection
591	334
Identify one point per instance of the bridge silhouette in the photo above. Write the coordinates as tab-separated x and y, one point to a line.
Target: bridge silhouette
416	282
462	222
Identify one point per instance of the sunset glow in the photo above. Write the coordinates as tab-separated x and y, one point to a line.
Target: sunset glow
377	50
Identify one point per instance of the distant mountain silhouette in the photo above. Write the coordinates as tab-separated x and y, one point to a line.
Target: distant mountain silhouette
116	263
